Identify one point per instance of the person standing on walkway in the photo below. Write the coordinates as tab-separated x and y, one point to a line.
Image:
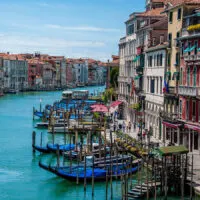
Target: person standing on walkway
129	127
123	127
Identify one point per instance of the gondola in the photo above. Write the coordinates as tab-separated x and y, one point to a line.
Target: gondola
64	147
41	149
81	173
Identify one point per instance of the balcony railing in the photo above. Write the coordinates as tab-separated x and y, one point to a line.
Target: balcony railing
192	57
187	91
186	33
124	79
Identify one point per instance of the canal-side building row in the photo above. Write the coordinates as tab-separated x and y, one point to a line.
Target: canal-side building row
21	72
159	74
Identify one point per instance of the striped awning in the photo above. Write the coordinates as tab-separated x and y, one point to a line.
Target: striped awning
195	128
171	125
136	58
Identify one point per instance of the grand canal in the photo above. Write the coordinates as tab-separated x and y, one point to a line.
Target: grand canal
20	175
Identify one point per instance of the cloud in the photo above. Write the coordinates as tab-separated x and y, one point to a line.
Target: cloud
81	28
47	42
44	4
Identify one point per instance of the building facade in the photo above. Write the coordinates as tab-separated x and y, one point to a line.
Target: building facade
189	83
15	73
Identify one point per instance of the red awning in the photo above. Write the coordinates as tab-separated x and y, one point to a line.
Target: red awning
115	103
195	128
100	108
171	125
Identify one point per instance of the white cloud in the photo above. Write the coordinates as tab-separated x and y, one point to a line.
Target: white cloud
44	4
81	28
47	42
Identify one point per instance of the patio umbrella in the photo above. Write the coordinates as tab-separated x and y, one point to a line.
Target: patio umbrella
100	108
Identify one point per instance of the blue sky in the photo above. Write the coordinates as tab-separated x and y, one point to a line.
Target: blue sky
73	28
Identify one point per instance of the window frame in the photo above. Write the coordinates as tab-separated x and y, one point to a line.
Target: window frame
179	12
171	17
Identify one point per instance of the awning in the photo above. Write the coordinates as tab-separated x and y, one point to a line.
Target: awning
99	108
136	58
175	76
195	128
115	103
137	77
192	48
168	75
187	50
168	124
170	150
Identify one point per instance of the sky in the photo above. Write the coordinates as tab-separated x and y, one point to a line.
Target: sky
71	28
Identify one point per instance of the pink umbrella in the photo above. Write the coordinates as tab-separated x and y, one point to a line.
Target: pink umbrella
100	108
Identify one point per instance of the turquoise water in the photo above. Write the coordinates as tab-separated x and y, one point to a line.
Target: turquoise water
20	175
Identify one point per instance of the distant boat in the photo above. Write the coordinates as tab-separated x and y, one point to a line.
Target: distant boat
11	91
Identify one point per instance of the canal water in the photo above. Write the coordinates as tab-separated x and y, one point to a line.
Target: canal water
20	175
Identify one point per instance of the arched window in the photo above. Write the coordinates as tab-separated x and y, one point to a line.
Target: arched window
188	76
195	76
181	76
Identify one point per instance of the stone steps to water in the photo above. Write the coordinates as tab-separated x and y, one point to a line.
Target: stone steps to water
138	191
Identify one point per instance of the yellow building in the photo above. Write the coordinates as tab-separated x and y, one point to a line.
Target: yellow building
176	10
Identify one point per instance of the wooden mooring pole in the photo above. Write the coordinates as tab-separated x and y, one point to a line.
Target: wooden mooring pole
85	184
58	156
33	140
41	134
92	175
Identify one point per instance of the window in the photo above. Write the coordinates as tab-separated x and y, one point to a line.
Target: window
153	86
161	39
154	41
177	59
161	89
196	47
179	14
180	108
194	108
195	76
150	61
170	17
161	59
170	39
158	60
189	46
188	76
177	39
181	76
130	29
187	110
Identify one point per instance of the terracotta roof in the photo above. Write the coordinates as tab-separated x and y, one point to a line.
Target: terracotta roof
152	12
175	3
158	1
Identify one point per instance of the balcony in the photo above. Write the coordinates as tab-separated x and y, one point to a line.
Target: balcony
186	33
124	79
139	70
193	57
187	91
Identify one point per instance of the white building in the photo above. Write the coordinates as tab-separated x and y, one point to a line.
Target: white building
15	73
80	70
127	53
155	66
